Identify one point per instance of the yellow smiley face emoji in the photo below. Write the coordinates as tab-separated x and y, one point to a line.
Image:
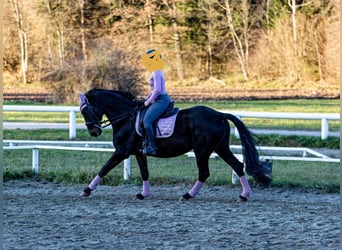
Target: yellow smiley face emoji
152	60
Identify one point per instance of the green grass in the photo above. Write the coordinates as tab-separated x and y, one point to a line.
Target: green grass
58	117
81	167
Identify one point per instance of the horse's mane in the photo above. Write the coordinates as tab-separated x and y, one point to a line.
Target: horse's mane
124	94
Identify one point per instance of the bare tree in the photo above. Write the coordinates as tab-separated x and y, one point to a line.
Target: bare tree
293	6
56	20
82	29
267	12
210	32
333	47
241	44
149	6
208	11
171	4
18	14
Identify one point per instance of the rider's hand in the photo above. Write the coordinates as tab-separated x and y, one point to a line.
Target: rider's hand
146	103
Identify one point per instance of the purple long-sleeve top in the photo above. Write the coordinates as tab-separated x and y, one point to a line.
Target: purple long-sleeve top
157	84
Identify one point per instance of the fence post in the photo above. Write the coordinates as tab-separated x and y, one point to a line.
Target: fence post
35	160
235	178
324	129
72	124
127	168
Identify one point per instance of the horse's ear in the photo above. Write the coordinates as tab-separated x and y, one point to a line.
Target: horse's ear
83	100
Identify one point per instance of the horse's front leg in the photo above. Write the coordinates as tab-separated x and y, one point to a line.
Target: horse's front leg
117	157
142	162
203	174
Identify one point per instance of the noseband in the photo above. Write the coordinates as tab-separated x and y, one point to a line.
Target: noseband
90	115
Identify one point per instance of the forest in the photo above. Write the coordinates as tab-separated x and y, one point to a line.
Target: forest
72	46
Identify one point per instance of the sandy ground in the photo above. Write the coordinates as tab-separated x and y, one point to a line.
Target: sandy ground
42	215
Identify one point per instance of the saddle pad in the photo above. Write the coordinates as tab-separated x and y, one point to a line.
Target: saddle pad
165	126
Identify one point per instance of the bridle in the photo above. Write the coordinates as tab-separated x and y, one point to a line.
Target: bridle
90	115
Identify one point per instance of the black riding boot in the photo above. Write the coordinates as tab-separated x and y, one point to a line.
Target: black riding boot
150	148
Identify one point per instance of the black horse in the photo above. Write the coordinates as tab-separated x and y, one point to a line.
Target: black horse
199	128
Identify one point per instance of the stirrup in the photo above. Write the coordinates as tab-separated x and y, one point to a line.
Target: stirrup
149	150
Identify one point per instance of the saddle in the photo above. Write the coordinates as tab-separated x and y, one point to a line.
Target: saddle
164	125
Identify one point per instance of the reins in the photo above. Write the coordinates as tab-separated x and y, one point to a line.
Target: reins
109	122
118	119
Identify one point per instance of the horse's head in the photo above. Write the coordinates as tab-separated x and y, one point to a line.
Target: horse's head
91	115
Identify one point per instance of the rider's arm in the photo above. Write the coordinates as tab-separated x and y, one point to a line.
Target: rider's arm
156	87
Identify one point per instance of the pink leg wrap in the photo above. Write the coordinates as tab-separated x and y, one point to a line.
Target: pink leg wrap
96	181
246	189
196	188
146	189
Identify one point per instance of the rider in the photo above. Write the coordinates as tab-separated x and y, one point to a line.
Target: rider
158	100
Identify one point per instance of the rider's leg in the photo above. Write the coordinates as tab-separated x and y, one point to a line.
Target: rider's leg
152	114
149	131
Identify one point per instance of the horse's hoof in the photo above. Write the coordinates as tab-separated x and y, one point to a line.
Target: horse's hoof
185	197
86	192
242	199
140	196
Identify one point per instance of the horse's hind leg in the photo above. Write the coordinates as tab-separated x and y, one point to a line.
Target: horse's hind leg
229	158
224	152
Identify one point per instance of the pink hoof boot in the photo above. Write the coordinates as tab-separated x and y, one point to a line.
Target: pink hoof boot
94	183
145	192
195	189
246	189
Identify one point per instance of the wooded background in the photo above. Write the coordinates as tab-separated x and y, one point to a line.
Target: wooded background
75	45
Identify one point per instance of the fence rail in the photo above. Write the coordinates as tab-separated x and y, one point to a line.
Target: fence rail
105	146
59	145
324	117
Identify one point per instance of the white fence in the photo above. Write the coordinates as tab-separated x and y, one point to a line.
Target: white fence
102	146
70	109
60	145
324	117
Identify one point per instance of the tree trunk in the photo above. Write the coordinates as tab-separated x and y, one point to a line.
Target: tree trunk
17	11
292	4
59	29
83	39
210	54
177	39
245	15
319	60
267	13
178	48
239	49
149	19
60	40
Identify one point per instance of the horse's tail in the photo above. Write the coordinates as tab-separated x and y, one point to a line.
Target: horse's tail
250	153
